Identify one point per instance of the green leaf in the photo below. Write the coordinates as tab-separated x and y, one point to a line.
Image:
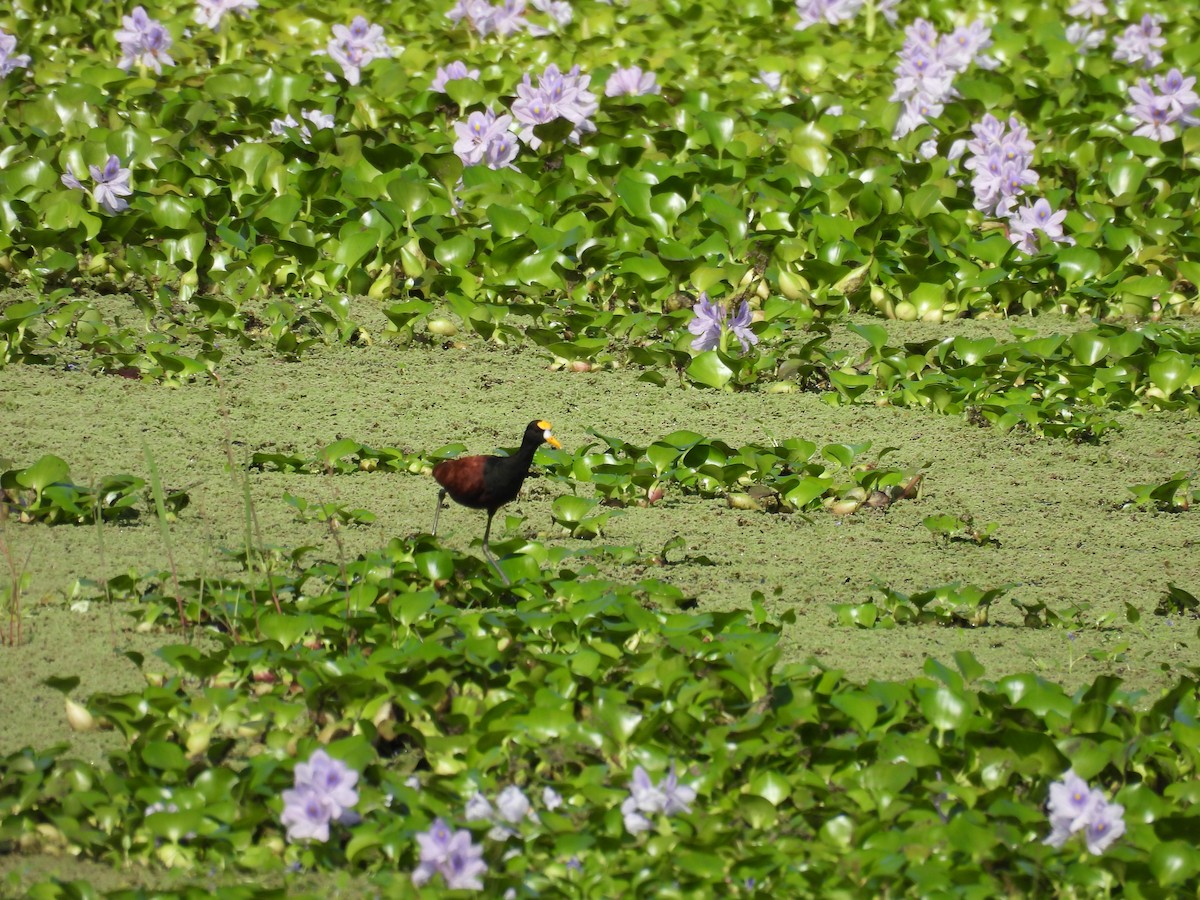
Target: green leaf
43	473
435	565
710	370
165	756
1172	862
945	709
1169	371
1077	264
457	251
1088	347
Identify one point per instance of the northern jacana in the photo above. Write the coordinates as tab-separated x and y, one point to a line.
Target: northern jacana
488	482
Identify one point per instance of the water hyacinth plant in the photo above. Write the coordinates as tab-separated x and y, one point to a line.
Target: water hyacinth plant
1029	220
111	184
355	46
712	325
1141	43
451	854
1075	807
1159	113
558	95
325	792
630	82
318	210
485	139
646	799
144	42
209	13
452	71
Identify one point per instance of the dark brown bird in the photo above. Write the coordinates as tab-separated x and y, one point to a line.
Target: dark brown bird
488	482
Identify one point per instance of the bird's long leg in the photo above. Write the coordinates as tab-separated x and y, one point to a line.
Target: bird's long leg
437	512
487	551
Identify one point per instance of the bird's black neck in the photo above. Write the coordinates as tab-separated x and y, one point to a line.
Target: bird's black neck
523	458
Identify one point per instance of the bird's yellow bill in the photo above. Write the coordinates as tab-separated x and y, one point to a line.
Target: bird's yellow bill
550	438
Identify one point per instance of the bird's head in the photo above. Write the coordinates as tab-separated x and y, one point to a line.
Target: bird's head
539	432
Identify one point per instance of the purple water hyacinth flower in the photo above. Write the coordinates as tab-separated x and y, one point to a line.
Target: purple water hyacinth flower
452	855
833	12
928	65
509	18
111	184
558	94
484	139
915	111
324	792
453	71
551	799
512	804
475	12
69	179
307	814
1085	37
331	778
1081	9
772	81
630	82
314	117
887	9
559	13
707	326
353	47
9	60
1001	158
1154	112
1075	807
1027	221
1104	826
210	12
965	45
1180	91
1141	42
710	325
479	808
739	327
483	18
143	41
1158	113
668	797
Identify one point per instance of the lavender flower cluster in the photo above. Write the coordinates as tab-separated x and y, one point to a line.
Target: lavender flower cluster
313	117
1176	103
1002	162
451	854
485	137
929	62
9	59
1140	42
835	12
325	792
353	47
712	325
111	184
509	16
1001	159
210	12
667	798
1075	807
144	41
